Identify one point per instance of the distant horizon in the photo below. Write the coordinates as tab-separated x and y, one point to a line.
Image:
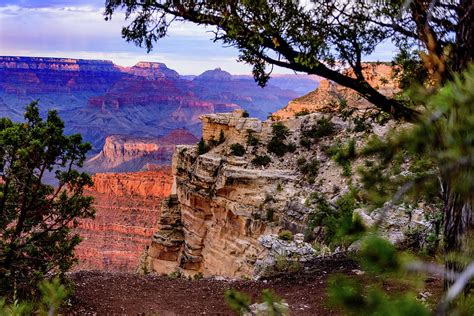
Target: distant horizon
158	62
77	29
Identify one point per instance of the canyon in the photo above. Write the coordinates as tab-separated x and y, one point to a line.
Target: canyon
97	98
127	207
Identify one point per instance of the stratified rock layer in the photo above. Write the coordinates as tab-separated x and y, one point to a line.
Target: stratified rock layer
212	221
329	95
127	208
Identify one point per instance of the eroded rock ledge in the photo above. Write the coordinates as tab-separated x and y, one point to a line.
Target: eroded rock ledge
219	206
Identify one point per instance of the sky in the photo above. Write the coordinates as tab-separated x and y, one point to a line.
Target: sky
77	29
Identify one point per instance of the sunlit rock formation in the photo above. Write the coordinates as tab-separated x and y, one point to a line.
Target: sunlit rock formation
127	208
329	96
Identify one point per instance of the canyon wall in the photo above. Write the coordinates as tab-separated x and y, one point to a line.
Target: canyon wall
127	208
220	205
329	95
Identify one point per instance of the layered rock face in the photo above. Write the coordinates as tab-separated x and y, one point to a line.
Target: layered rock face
218	207
222	206
125	153
329	95
127	208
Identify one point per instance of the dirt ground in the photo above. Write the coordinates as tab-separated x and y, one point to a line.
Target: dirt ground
105	293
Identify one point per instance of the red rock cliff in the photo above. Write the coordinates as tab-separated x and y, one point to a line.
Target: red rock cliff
127	208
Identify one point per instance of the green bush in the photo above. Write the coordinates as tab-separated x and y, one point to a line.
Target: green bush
245	114
263	160
323	127
303	112
280	131
202	147
361	124
277	147
237	149
277	144
270	214
251	139
305	142
309	169
285	235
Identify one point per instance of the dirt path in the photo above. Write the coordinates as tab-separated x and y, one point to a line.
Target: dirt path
119	293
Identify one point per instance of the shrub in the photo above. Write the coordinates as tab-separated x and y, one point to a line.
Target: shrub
322	128
277	144
221	137
303	112
361	124
285	235
291	147
245	114
309	169
280	131
251	139
342	155
202	147
277	147
270	213
237	149
263	160
305	142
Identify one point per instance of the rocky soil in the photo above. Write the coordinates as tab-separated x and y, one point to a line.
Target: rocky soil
100	293
120	293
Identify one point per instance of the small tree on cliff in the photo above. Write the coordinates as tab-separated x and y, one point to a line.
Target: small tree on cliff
36	218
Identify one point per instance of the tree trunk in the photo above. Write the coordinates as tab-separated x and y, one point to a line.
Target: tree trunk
458	231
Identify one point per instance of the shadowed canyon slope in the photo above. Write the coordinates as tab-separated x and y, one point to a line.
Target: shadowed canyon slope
127	207
97	98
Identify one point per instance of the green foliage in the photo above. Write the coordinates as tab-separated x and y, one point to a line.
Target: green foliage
286	265
198	276
356	300
36	218
221	137
53	294
245	114
202	147
274	304
237	301
277	144
343	154
270	214
309	169
305	142
303	112
237	149
341	227
361	124
251	139
323	127
263	160
240	303
379	255
285	235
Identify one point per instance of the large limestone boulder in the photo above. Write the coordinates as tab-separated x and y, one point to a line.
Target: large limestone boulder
282	256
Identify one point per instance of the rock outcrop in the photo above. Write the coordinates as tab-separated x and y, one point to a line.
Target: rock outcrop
329	95
221	204
127	208
226	207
